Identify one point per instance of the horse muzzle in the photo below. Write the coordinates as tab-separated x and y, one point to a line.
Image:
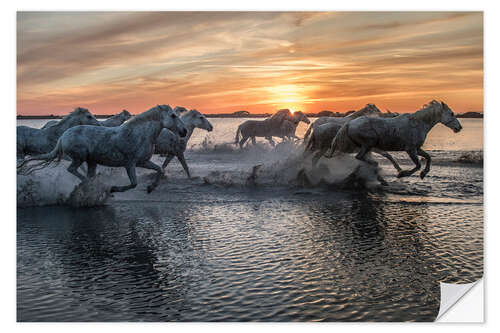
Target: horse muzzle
457	129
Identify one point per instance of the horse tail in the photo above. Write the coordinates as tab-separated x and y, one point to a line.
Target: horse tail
237	138
341	141
308	132
309	144
53	157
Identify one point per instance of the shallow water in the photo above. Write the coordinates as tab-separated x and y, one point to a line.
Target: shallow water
439	138
212	248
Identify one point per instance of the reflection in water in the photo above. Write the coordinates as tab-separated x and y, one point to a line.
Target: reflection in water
337	257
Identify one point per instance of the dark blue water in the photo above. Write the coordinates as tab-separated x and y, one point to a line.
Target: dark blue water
233	254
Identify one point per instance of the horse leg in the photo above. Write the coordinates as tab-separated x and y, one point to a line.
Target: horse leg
427	162
362	153
150	165
369	159
91	167
254	140
73	168
167	160
389	157
181	159
271	141
133	180
317	156
243	140
414	158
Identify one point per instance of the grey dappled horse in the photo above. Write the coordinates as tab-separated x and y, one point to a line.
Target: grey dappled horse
322	136
34	141
369	109
130	145
406	132
170	144
113	121
117	119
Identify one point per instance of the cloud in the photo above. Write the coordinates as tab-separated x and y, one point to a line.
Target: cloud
222	61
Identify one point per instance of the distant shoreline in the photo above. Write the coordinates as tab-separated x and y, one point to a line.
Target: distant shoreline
246	115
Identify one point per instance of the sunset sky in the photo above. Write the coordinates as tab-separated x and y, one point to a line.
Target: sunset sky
255	61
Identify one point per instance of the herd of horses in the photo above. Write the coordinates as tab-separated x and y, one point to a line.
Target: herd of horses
130	142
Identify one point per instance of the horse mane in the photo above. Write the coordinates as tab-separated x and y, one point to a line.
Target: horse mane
191	112
297	116
151	114
429	113
369	108
76	111
281	115
180	109
125	112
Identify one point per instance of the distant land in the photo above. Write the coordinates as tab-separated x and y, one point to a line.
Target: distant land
246	114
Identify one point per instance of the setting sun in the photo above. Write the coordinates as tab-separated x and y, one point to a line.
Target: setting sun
106	65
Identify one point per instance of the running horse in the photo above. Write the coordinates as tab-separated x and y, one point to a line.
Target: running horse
406	132
34	141
261	128
172	145
130	145
288	128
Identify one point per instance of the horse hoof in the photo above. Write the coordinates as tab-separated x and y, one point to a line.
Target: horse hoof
423	174
150	189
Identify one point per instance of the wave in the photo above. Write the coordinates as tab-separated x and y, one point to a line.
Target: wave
226	165
56	186
284	165
472	157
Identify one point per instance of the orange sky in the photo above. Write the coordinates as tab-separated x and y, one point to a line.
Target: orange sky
256	61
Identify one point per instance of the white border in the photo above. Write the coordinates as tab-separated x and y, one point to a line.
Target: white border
8	88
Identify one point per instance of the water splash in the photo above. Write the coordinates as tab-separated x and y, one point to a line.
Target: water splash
56	186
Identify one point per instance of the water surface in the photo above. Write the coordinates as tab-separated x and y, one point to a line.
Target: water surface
213	249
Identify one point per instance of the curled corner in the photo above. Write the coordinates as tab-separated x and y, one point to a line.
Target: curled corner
451	294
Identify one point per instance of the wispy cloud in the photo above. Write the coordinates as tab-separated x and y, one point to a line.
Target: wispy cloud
258	61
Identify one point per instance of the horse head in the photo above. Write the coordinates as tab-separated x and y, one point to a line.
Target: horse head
171	120
299	116
282	115
180	109
199	120
125	115
448	118
84	117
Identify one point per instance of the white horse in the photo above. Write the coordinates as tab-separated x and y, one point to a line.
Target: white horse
113	121
171	145
403	133
369	109
31	141
117	119
130	145
261	128
323	135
